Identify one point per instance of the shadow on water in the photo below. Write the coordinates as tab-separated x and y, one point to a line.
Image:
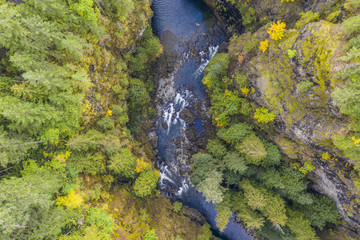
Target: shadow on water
193	34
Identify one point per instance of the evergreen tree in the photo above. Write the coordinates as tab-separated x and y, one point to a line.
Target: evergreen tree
235	133
146	183
300	226
216	148
211	188
252	219
253	149
222	217
123	163
235	162
322	210
203	164
23	198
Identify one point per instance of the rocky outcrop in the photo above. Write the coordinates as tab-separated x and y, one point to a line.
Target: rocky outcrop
307	119
298	89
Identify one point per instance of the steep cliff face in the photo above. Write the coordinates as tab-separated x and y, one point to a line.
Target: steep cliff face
294	78
306	120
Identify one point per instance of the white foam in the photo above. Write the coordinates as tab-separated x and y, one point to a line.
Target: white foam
184	188
212	52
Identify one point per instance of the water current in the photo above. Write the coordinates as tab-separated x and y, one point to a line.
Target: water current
190	31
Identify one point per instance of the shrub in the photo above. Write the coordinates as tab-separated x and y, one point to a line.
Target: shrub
151	235
105	123
304	86
241	80
306	18
308	167
352	25
251	44
291	53
264	45
177	207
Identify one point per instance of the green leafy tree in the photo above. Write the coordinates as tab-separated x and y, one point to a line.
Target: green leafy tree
14	147
255	197
271	205
225	105
88	162
85	9
262	115
106	123
85	142
26	116
289	182
214	72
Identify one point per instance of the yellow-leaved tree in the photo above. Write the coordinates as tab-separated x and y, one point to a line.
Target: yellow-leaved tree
264	45
277	30
71	201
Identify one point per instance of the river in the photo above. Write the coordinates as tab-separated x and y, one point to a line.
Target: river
188	30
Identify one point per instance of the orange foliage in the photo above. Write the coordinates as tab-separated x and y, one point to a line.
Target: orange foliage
241	59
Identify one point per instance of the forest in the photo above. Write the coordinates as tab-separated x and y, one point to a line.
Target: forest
77	86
